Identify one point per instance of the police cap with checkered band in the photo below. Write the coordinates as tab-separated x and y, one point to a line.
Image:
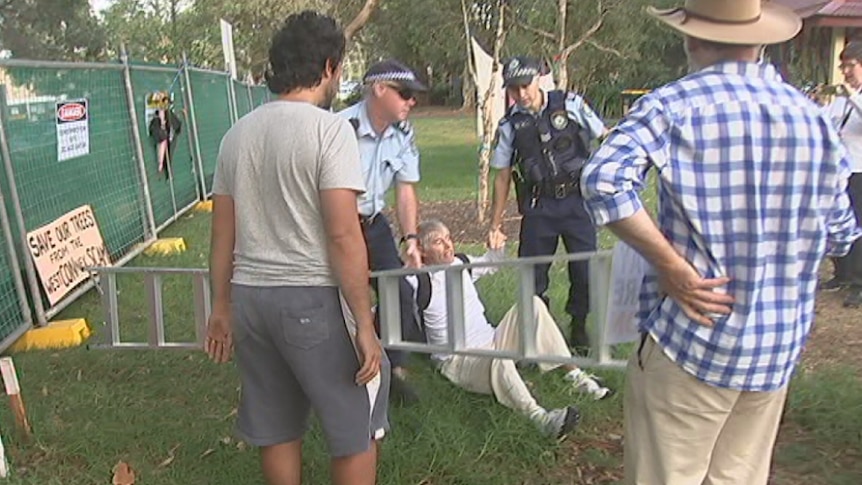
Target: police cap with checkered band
394	71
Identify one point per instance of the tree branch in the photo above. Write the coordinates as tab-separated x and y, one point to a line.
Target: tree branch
469	40
361	19
586	35
536	31
609	50
529	28
562	7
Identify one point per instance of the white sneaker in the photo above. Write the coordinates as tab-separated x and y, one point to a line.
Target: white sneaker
588	384
557	422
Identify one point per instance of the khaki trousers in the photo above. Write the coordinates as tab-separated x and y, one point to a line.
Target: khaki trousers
682	431
500	377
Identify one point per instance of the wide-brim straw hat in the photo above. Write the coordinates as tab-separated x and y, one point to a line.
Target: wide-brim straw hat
744	22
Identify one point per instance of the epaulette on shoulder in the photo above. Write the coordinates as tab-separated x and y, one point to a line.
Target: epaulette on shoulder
404	127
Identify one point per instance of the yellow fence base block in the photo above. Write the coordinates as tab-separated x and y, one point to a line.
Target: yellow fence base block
61	334
166	247
206	206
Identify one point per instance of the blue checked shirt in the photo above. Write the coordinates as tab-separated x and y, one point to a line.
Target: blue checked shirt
752	182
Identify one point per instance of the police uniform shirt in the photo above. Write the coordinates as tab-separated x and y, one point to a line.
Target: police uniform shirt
391	156
578	111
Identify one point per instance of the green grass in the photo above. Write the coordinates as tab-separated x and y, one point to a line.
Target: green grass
448	150
92	408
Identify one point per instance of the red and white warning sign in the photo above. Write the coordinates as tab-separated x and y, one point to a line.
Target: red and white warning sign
73	129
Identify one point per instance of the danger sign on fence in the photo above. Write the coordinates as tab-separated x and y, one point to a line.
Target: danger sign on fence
63	249
73	129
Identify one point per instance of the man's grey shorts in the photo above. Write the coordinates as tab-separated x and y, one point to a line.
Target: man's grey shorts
295	354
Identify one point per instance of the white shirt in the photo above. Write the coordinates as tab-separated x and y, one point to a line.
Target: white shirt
851	131
478	331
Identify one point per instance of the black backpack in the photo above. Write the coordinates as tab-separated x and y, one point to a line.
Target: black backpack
423	290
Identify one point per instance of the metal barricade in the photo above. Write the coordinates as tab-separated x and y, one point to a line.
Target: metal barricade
388	306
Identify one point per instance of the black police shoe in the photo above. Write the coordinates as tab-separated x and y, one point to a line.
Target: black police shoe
854	299
833	285
580	340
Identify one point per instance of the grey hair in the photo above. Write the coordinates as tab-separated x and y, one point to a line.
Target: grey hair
852	51
427	229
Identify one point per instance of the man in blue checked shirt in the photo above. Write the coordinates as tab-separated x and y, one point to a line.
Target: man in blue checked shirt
752	181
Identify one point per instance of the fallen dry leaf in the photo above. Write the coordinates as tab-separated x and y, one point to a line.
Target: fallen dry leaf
79	374
226	440
44	391
123	474
167	461
231	414
241	446
207	453
171	456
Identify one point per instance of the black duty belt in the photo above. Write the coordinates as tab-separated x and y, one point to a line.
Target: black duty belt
558	191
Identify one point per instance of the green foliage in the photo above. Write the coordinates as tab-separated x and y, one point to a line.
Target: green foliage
432	43
51	29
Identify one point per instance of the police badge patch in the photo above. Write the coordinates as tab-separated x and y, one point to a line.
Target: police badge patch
559	120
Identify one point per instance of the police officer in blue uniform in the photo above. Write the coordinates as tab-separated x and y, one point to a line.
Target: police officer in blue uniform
389	156
542	143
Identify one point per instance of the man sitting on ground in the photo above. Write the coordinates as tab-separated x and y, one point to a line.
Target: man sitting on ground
485	375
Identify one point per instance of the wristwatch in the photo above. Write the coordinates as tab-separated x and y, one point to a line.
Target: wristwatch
408	237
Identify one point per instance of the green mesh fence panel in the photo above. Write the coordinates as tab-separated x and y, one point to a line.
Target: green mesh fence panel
105	176
260	95
11	318
244	103
168	195
212	113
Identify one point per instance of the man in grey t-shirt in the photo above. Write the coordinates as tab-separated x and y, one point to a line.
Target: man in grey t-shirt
289	268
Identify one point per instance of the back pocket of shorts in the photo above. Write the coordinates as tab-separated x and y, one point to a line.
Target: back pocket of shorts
306	328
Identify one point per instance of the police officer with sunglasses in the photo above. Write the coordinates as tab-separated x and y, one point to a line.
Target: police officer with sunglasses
387	146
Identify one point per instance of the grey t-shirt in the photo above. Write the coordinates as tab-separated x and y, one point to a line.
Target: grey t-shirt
273	162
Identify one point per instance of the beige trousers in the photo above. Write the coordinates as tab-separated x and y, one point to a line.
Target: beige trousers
500	377
681	431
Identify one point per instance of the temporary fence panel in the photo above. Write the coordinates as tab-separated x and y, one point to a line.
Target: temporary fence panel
173	182
95	165
243	100
76	134
212	116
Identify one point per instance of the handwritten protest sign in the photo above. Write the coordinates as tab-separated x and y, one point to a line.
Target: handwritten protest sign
63	249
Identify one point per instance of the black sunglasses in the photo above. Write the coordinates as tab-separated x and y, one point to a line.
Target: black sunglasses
404	92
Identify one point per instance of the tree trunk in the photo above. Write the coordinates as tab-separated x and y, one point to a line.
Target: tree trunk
488	123
469	81
563	73
468	89
361	19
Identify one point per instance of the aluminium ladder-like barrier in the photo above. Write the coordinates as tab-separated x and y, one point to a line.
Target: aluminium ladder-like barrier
388	305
